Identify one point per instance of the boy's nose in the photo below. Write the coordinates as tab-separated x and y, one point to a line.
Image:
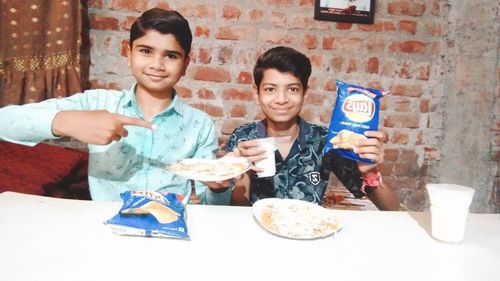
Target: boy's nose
158	63
281	96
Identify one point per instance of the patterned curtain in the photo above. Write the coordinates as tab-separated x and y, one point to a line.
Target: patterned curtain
40	44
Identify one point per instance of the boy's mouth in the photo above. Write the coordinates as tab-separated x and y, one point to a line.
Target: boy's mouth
156	77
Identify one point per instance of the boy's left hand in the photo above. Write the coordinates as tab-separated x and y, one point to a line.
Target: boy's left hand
371	148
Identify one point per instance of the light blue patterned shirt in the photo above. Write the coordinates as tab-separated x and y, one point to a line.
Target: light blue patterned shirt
136	162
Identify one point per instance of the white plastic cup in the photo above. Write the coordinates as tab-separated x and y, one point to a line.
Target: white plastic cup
269	163
449	210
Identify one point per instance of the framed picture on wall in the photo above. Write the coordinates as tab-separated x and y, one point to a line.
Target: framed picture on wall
357	11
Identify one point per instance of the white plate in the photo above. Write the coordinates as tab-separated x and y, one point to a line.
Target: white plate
295	219
210	170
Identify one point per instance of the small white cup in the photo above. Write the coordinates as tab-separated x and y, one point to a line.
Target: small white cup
449	210
269	163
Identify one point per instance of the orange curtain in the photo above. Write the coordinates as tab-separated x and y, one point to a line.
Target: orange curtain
40	43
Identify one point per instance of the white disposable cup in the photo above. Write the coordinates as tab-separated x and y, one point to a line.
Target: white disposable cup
449	210
269	163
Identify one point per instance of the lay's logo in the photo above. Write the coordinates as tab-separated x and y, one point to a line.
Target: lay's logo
358	108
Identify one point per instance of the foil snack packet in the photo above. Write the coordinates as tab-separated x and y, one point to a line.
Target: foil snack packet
152	214
356	111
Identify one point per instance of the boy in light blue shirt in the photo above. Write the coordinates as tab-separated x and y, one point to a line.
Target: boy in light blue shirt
135	133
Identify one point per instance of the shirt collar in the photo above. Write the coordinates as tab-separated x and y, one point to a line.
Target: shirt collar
176	105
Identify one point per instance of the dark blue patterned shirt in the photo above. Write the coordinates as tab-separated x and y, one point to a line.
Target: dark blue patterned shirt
304	173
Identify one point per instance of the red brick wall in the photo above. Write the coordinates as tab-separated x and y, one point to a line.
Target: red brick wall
401	52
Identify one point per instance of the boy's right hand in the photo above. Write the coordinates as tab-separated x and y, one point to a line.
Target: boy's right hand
251	150
94	126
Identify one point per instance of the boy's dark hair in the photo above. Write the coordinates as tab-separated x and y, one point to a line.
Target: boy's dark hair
165	22
283	59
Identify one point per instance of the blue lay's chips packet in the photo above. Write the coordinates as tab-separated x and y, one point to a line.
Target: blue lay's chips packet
153	214
356	111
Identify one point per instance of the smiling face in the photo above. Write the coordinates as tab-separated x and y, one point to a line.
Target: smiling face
157	62
280	96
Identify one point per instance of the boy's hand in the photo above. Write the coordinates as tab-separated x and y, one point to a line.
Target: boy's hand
251	150
94	126
371	148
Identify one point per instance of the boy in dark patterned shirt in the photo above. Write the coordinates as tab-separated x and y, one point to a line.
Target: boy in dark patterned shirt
281	76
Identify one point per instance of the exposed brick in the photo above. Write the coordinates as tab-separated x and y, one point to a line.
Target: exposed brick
405	7
231	12
235	32
375	85
402	105
103	22
405	169
245	77
202	31
409	47
127	23
336	64
389	68
163	4
432	29
256	15
406	90
236	94
400	137
422	71
204	56
409	26
184	92
200	11
431	153
375	45
308	3
331	86
328	43
316	61
424	105
402	121
386	168
239	111
279	2
372	65
275	37
408	155
352	66
215	74
343	25
214	111
136	5
391	154
406	70
378	26
278	19
124	47
224	55
310	41
206	94
315	99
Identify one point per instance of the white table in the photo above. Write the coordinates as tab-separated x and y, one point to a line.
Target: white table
56	239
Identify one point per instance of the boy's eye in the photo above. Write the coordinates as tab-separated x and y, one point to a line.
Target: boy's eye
294	90
145	51
172	56
269	90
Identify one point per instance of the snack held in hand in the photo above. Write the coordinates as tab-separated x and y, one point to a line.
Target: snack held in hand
346	139
356	111
147	213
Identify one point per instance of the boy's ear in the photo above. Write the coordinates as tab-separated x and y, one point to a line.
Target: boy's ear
186	63
306	94
129	55
255	92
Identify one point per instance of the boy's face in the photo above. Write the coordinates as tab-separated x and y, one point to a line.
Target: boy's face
157	62
280	96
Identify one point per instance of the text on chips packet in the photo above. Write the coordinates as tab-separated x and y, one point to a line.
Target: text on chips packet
152	214
356	111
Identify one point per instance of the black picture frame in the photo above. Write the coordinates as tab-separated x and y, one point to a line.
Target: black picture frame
355	11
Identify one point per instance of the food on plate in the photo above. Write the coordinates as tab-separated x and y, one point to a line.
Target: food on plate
211	170
346	139
295	218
